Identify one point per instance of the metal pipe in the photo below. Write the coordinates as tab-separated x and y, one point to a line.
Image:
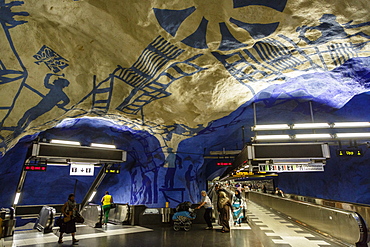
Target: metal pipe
254	114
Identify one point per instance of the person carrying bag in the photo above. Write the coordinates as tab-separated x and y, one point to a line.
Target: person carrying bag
107	202
69	212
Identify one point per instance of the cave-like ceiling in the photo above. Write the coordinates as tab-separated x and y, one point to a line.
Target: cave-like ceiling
173	66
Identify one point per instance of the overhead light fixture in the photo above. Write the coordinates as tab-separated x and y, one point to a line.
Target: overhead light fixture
311	126
351	125
98	145
289	163
57	164
65	142
313	136
16	199
353	135
271	127
271	137
92	196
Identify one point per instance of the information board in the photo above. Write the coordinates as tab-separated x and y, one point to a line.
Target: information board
81	170
291	168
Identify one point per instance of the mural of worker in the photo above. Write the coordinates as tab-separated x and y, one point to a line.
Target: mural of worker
146	189
171	163
55	97
191	182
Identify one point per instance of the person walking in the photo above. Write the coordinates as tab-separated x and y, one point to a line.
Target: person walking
69	211
207	204
106	201
223	206
237	206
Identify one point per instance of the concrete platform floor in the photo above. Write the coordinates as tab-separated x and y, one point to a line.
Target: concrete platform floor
114	235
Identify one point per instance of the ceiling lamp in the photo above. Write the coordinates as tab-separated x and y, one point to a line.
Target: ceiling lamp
65	142
353	135
351	125
313	136
311	126
271	137
271	127
98	145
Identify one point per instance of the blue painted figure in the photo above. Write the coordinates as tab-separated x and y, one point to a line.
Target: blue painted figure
190	179
330	29
146	189
7	16
171	160
53	98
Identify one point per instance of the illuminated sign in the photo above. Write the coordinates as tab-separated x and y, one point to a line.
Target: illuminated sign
224	163
41	168
291	168
241	174
349	152
113	170
81	170
35	165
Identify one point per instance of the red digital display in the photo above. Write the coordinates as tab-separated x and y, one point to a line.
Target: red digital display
224	163
34	168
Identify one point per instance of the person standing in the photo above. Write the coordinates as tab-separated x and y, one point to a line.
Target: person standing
106	201
223	206
69	211
214	198
264	189
207	204
237	205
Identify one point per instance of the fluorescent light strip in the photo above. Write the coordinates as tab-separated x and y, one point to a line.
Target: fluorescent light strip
313	136
98	145
16	199
351	124
353	135
57	164
290	163
311	126
272	137
92	196
271	127
65	142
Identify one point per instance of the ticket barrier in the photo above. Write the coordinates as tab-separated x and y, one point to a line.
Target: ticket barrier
7	222
45	220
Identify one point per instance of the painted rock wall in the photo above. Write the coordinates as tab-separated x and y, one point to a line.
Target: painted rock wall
176	70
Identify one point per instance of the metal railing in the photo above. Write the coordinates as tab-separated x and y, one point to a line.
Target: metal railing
93	214
341	224
361	209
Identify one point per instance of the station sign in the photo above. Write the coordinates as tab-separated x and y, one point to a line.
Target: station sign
291	168
349	152
81	170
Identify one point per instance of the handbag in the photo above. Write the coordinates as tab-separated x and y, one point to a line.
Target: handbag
113	205
79	218
59	221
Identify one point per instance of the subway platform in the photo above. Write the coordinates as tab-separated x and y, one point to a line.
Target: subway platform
264	229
